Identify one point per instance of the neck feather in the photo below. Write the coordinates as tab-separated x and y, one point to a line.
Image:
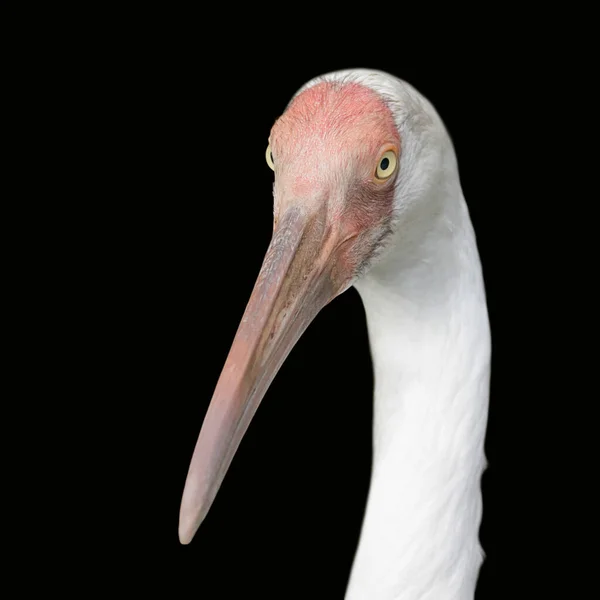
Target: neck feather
430	344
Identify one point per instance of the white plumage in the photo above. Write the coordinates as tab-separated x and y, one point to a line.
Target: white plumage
430	342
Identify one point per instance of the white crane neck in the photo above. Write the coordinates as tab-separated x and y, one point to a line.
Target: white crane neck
430	344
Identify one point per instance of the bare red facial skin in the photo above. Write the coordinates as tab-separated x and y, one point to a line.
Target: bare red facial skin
343	116
327	146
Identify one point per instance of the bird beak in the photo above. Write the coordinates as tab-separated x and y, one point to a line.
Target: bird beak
294	283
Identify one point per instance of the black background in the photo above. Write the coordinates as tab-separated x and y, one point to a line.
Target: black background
184	196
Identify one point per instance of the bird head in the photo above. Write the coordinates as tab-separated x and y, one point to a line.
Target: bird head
337	156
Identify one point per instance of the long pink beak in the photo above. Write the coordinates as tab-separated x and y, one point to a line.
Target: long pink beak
293	285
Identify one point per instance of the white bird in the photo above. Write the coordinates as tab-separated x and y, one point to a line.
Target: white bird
367	193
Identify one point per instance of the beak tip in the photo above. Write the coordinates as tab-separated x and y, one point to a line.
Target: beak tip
191	516
186	532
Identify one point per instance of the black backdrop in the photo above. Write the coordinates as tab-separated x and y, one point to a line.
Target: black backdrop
186	195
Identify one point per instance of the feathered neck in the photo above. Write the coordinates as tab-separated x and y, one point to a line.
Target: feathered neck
430	342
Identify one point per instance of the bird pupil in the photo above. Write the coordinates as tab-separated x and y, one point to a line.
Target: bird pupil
385	163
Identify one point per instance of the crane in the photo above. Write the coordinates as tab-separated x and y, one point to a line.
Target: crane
367	194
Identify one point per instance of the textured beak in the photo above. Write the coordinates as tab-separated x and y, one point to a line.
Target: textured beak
293	285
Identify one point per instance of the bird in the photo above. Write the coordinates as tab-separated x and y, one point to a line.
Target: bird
366	193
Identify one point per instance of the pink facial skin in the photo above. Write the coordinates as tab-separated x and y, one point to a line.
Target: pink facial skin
326	148
335	117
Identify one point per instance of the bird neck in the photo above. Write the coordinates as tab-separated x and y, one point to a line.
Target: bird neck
430	343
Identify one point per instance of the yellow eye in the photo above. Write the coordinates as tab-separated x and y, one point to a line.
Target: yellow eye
269	156
387	165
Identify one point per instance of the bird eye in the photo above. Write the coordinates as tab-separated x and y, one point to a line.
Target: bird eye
269	156
387	165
